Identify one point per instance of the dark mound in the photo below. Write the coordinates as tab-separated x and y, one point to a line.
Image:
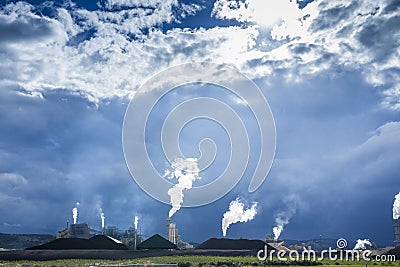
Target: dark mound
395	251
22	241
232	244
156	242
106	242
96	242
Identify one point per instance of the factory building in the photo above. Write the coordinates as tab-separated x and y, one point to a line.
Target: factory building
172	235
80	230
279	245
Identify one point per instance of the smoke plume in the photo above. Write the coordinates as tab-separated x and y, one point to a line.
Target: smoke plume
283	217
237	213
396	207
102	219
136	221
186	171
362	244
75	212
281	220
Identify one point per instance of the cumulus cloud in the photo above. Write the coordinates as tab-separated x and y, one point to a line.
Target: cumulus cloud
283	16
120	46
325	67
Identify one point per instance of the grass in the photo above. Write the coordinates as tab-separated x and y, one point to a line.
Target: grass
193	261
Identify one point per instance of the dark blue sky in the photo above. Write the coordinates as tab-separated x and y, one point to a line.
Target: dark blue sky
329	70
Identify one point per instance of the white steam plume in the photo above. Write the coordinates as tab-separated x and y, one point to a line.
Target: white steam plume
186	171
362	244
102	219
237	213
75	212
396	207
136	221
282	218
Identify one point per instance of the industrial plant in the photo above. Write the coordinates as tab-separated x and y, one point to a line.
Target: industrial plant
112	243
132	238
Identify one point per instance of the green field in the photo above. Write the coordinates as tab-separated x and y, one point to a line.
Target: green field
195	261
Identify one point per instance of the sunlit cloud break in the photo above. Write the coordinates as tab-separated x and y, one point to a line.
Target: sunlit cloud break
237	213
186	171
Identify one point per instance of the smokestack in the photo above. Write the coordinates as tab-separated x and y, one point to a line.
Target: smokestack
396	215
75	214
396	231
102	221
135	222
168	221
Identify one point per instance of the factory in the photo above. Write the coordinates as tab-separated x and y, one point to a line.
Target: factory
130	237
172	235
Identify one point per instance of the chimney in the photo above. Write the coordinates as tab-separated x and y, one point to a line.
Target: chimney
168	221
396	231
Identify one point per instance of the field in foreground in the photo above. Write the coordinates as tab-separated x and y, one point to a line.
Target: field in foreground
193	261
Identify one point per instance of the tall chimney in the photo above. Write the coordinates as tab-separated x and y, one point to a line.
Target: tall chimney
396	231
168	221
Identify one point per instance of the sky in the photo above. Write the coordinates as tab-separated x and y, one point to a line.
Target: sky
328	69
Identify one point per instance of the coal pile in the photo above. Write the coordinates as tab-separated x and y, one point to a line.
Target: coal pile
395	251
156	242
96	242
233	244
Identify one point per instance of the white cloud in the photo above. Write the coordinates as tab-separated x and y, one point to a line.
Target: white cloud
69	25
110	62
266	13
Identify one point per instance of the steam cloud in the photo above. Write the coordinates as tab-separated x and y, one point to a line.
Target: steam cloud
102	219
281	219
237	213
186	171
136	221
396	207
362	244
75	212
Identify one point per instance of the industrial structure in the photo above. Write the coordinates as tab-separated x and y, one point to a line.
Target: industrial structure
172	235
130	237
279	245
79	230
396	232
